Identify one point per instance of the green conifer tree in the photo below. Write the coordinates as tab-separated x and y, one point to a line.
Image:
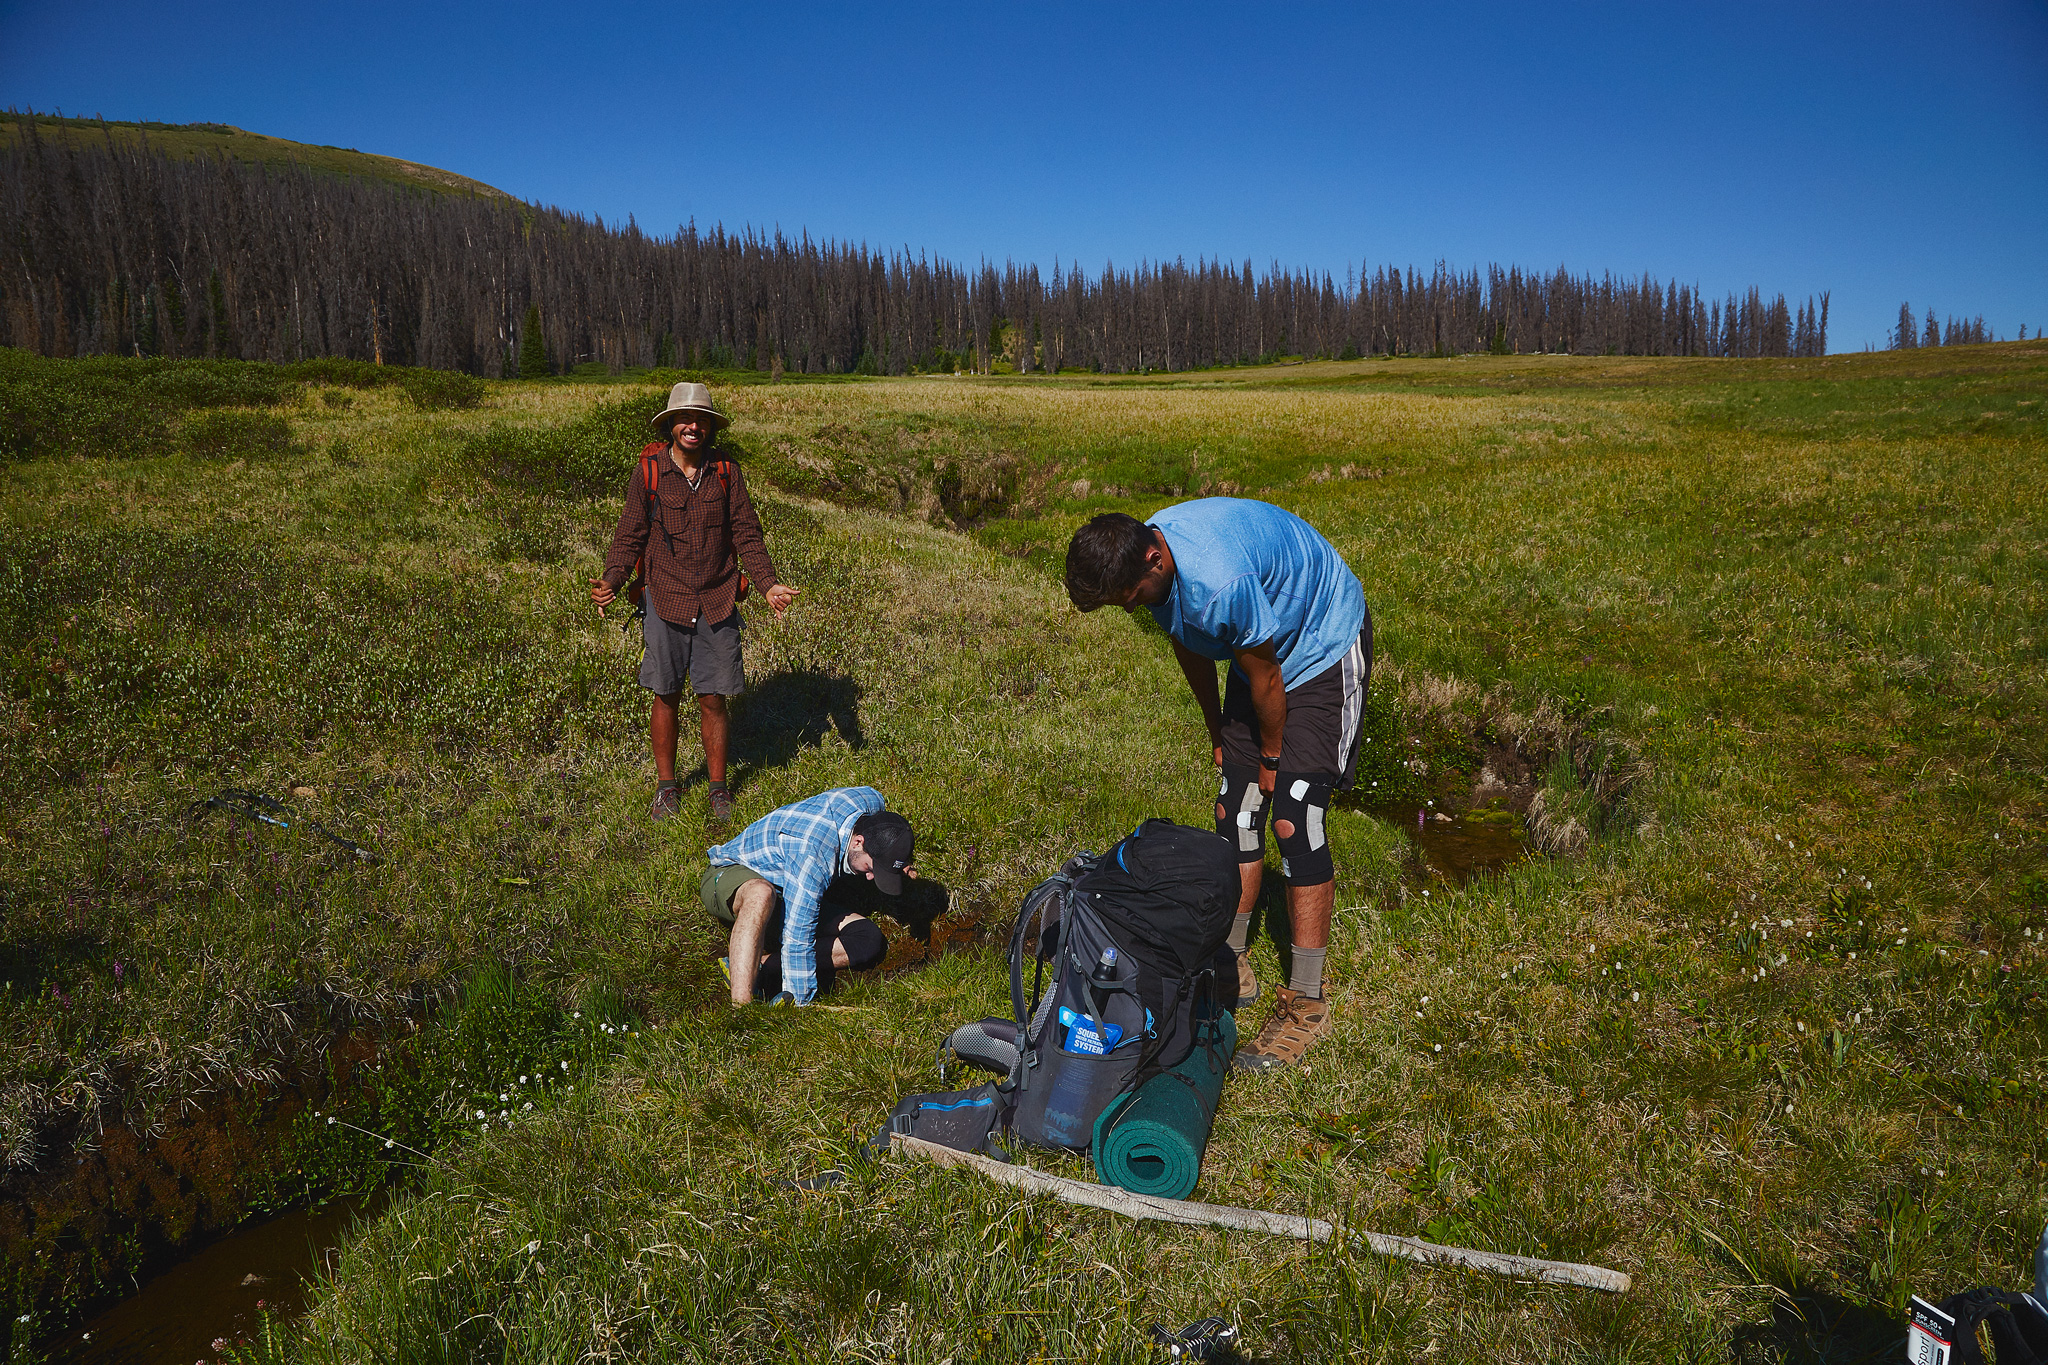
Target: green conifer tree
174	316
533	351
224	340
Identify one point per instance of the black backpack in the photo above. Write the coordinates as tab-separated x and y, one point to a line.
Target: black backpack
2017	1323
1135	941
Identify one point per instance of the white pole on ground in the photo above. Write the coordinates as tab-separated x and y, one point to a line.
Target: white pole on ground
1119	1201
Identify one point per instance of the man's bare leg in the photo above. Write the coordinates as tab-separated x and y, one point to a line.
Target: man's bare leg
715	724
661	735
753	905
1308	914
1250	876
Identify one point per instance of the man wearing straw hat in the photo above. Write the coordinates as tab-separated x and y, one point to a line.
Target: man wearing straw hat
691	581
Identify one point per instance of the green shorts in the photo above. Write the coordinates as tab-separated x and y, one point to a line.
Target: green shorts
720	883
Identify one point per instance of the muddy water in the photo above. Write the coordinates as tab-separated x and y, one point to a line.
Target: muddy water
216	1294
1460	848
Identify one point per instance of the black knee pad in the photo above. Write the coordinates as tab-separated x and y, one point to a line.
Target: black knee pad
1243	821
864	942
1302	800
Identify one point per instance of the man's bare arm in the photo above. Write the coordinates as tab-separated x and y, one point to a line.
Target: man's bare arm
1201	676
1269	702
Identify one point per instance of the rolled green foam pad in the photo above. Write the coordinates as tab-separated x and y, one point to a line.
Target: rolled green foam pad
1160	1134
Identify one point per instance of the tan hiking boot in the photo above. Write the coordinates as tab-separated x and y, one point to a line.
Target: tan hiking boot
1247	984
1298	1020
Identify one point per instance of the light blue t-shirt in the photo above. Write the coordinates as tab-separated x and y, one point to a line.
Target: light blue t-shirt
1248	572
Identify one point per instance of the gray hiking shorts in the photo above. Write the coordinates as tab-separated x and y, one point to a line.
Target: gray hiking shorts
708	656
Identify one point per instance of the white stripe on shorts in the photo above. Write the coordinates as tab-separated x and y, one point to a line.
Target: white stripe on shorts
1354	699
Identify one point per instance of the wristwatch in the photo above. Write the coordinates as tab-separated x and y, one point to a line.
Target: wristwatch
1270	761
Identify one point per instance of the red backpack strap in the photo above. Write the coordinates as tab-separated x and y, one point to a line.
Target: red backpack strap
650	474
726	466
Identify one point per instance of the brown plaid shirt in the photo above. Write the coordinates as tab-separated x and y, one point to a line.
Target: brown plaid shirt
689	558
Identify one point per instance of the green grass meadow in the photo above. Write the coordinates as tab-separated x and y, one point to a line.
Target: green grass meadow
1763	1028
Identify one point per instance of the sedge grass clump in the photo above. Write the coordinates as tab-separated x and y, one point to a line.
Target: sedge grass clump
500	1050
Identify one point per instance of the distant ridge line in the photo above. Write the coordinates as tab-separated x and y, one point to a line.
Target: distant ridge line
118	245
185	141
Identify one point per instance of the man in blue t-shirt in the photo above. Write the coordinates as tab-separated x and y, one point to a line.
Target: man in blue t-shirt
1243	582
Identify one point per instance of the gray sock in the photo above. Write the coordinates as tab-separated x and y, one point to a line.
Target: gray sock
1240	933
1306	975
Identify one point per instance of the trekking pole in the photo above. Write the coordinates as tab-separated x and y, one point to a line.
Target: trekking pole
257	806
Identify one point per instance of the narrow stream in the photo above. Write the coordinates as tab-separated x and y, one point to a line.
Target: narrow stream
214	1294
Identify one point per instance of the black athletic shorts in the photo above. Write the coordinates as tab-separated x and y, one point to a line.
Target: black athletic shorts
1323	715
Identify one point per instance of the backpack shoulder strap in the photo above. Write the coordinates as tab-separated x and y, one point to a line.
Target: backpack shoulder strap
1059	885
650	474
1033	908
2019	1333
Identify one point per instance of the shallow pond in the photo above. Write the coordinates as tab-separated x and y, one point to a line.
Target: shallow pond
1457	849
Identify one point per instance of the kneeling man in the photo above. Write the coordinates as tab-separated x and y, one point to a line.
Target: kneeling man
1230	579
767	885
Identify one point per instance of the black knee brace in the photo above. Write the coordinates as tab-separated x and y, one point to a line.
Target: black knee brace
864	942
1241	814
1300	800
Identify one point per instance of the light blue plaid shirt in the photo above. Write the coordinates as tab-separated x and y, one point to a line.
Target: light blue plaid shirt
801	848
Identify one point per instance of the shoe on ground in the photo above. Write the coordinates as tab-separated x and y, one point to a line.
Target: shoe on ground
721	805
667	801
1247	984
1298	1020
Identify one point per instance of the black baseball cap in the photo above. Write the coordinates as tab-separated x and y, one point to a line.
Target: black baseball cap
887	838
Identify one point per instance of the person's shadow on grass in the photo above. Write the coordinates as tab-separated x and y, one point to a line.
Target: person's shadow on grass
1269	914
782	715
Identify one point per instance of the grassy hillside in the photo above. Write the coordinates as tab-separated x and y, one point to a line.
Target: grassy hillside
187	141
1766	1031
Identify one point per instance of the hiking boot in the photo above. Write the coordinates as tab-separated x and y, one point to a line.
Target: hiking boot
1247	984
721	805
1298	1020
668	799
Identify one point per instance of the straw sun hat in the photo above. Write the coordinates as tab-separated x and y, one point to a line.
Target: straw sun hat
684	398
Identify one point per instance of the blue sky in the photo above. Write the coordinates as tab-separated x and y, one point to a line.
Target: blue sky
1886	152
